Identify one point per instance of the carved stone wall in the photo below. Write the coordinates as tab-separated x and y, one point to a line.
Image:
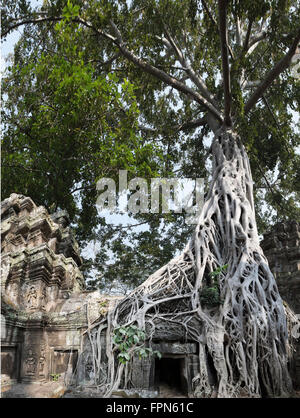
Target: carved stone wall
43	301
40	258
281	246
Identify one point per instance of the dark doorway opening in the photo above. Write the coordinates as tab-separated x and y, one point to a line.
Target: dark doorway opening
64	360
169	376
9	362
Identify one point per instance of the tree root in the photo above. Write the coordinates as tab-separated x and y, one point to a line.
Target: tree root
245	335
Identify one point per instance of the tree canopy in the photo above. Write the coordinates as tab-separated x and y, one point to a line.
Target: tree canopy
99	86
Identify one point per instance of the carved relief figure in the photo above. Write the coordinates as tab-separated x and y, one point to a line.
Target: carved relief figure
30	362
42	360
13	291
32	298
89	368
43	299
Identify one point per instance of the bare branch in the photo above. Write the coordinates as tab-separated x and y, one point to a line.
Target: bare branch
257	39
171	81
29	20
216	24
208	13
129	226
255	66
247	37
117	32
109	61
225	61
273	74
164	41
238	32
193	124
269	186
56	19
270	110
197	80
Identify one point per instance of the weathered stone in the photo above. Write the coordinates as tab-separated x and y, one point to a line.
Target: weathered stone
281	246
58	392
175	348
42	290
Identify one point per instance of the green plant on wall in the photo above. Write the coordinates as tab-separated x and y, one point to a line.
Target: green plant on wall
55	376
210	296
130	340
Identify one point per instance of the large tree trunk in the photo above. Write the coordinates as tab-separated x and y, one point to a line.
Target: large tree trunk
245	332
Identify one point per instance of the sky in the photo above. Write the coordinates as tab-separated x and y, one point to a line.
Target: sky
7	47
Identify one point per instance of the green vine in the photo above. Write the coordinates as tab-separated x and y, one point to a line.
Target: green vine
129	341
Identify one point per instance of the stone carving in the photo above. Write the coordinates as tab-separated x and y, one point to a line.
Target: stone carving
31	298
89	373
42	360
281	246
40	264
37	248
13	291
43	299
30	362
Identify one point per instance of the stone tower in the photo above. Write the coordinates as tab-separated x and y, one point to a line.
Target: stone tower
40	284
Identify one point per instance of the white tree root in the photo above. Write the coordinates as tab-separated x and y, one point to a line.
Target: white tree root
245	336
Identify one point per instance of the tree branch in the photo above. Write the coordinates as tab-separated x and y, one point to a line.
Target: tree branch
171	81
257	39
29	20
216	24
247	37
208	12
56	19
238	32
269	186
21	166
193	76
225	61
193	124
150	69
274	73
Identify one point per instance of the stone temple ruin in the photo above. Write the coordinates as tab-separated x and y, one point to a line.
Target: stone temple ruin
43	298
47	315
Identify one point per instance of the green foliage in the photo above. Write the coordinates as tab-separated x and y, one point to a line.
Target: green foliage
129	341
219	270
210	295
66	127
73	108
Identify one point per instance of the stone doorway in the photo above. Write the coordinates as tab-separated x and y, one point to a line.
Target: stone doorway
10	362
170	377
63	361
